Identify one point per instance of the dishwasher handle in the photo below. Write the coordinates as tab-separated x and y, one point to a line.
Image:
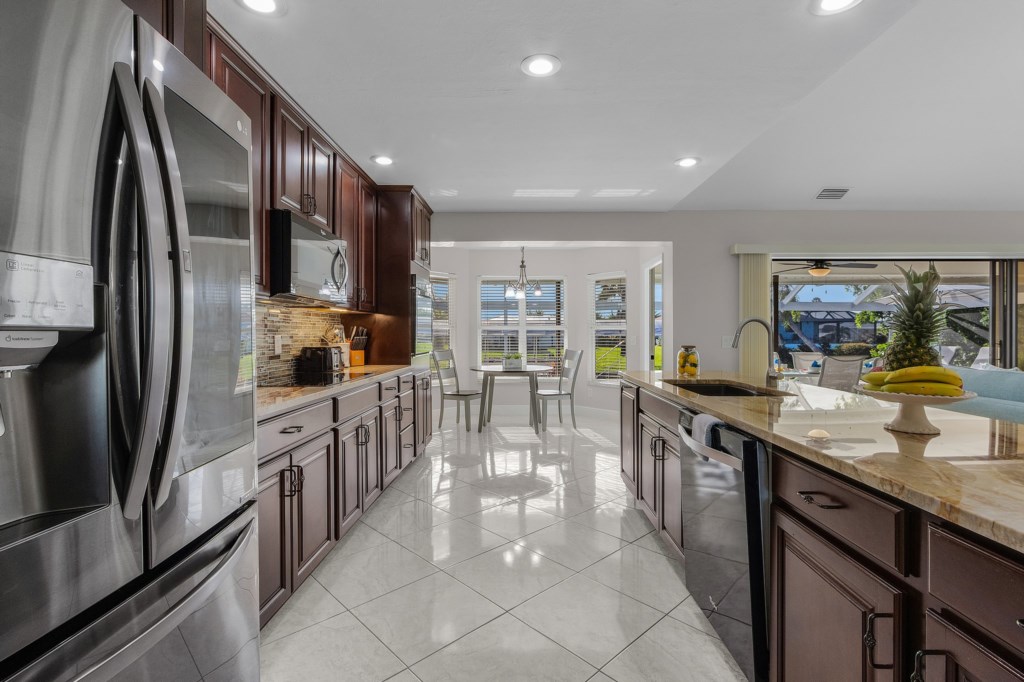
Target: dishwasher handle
702	450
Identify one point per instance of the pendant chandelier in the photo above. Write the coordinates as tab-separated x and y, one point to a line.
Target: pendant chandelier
518	289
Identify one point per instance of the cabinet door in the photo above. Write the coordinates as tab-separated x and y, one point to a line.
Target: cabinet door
373	478
671	493
389	440
291	145
273	502
250	92
951	655
647	486
320	185
425	236
627	437
424	412
367	247
346	222
349	499
824	600
313	505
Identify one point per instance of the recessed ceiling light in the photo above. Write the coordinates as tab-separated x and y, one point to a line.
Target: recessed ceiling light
687	162
541	65
261	6
827	7
381	160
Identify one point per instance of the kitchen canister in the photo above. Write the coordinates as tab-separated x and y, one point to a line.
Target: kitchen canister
688	361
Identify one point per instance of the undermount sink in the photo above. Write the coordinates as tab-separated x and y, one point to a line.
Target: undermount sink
723	390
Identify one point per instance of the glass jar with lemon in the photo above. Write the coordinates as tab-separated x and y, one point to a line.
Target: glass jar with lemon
688	362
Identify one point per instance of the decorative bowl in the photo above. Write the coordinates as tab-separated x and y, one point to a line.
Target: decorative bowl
910	416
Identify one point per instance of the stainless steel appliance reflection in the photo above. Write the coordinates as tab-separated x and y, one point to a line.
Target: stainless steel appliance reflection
726	500
127	408
422	304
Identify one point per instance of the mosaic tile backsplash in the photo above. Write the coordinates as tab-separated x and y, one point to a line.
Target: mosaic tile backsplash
297	327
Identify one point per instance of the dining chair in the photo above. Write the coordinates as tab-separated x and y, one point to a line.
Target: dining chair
444	365
802	361
566	389
842	373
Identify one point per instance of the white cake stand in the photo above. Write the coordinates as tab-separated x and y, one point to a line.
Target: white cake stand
911	417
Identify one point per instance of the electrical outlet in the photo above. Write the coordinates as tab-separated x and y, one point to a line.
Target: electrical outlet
278	344
726	341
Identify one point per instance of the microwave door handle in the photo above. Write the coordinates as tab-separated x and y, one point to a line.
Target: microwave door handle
184	294
155	351
341	261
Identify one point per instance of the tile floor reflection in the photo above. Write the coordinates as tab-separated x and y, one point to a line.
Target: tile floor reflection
501	555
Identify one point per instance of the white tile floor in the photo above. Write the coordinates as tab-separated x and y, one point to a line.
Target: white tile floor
500	556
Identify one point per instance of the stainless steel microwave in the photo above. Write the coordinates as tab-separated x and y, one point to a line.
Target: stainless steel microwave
308	265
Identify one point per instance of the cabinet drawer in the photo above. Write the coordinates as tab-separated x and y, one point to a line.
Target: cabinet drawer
860	519
981	585
407	438
406	382
665	412
390	388
355	403
278	434
407	400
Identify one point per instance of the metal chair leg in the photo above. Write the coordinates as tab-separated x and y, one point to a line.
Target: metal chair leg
544	417
469	421
572	409
441	418
560	411
458	404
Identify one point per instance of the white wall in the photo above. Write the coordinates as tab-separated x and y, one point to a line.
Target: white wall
703	280
575	266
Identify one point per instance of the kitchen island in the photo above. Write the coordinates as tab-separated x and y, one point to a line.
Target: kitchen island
892	552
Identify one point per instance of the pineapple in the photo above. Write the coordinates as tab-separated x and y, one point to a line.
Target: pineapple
916	323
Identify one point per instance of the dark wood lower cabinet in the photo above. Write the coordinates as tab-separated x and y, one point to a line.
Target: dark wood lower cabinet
951	655
313	505
671	493
349	499
274	511
390	444
627	437
647	487
424	408
370	456
833	618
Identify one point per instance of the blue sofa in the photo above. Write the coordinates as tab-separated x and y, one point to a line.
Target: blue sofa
1000	394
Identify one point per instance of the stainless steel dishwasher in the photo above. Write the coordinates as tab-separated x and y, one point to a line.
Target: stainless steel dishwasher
725	500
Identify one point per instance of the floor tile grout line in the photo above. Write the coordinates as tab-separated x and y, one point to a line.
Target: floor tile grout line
382	642
556	643
490	620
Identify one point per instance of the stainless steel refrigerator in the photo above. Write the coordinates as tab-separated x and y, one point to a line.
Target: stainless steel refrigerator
127	406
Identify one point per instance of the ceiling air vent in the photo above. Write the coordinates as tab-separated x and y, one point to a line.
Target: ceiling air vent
833	193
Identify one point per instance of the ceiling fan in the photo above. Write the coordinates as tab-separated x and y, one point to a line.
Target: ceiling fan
820	268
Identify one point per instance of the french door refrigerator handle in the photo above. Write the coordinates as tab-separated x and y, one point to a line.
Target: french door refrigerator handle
184	294
182	609
155	355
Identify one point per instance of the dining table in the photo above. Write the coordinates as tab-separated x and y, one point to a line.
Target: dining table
490	373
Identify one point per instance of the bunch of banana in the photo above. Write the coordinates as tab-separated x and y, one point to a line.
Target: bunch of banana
923	380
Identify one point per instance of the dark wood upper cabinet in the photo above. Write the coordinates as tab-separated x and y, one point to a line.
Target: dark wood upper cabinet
824	600
291	149
367	249
273	504
180	21
250	91
320	182
314	505
421	215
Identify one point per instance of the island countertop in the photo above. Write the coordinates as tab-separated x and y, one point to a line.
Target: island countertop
971	475
274	400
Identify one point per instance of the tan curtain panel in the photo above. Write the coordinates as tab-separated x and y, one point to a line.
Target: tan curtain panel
755	301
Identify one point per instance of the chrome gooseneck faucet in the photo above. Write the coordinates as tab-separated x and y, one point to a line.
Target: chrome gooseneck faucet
771	377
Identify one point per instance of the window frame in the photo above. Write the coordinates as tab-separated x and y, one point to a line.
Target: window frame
522	327
593	324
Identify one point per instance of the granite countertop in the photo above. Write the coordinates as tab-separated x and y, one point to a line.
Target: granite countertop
274	400
971	475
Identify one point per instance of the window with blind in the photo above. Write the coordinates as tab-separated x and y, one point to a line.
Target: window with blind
608	324
533	327
441	289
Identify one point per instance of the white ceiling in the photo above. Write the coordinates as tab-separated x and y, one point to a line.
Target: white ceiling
914	104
